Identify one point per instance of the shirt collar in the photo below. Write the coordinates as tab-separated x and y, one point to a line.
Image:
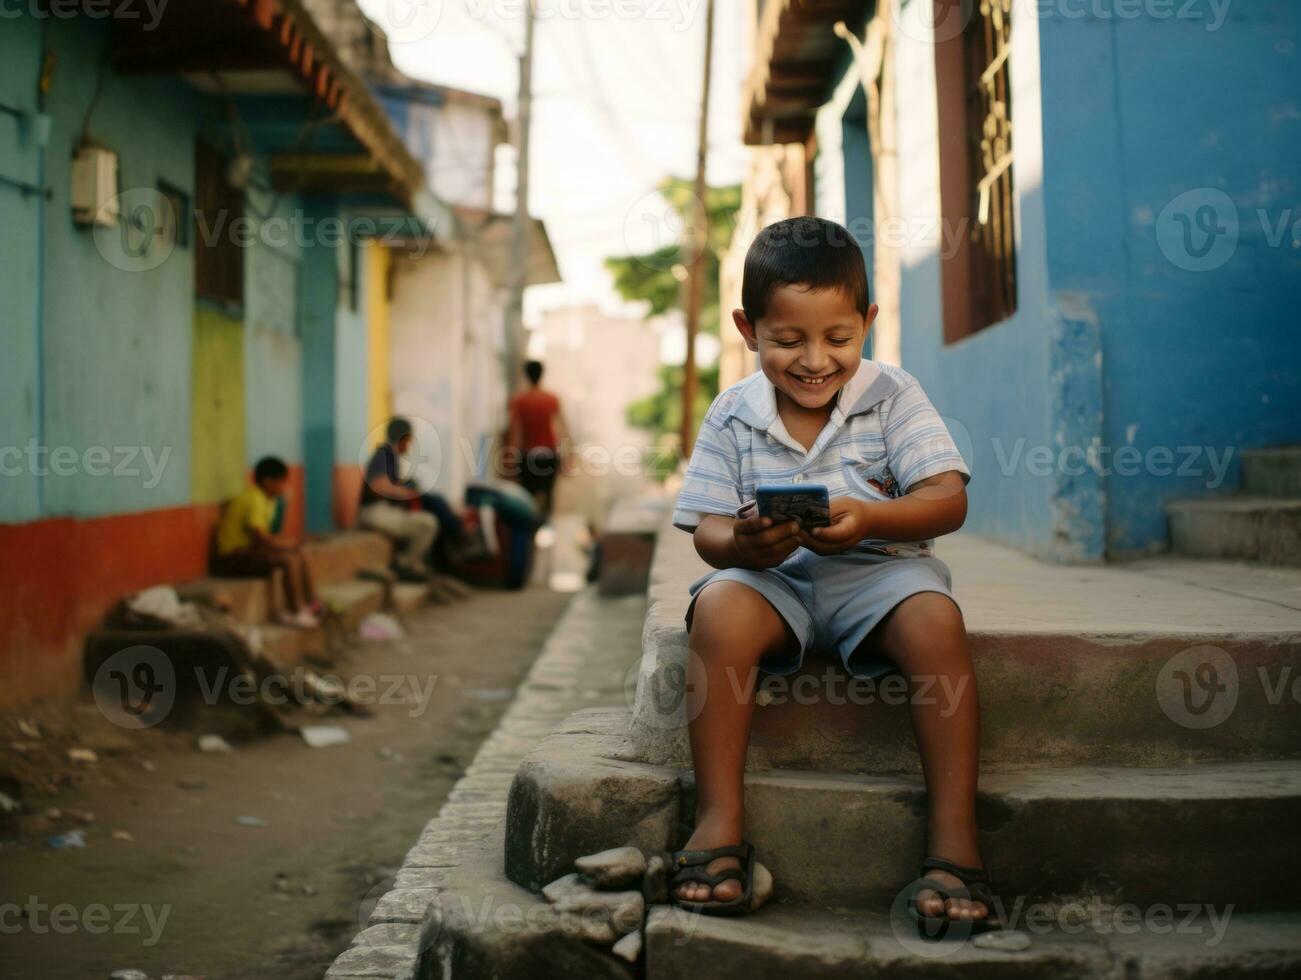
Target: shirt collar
757	404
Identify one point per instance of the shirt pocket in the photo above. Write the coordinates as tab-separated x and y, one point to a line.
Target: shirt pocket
866	471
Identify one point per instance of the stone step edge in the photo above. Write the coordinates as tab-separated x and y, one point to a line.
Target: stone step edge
464	842
574	796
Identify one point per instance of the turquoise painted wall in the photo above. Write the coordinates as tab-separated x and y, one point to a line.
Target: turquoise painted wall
117	343
352	393
318	289
20	227
273	360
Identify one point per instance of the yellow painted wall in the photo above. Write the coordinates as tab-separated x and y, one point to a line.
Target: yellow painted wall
217	463
379	261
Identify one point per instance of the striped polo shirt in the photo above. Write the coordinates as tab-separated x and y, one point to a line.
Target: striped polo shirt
883	437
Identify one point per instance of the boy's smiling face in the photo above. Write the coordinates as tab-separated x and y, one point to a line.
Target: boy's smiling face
810	342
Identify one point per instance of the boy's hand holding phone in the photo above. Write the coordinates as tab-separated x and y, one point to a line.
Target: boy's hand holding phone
849	525
761	544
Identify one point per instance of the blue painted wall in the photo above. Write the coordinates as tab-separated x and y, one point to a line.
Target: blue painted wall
351	395
1127	338
1154	129
20	228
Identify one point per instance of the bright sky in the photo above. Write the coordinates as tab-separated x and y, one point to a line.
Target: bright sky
616	100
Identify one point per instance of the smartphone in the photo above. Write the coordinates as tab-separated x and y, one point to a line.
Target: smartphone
809	504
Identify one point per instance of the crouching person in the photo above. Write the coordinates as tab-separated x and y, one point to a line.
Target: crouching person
247	545
388	496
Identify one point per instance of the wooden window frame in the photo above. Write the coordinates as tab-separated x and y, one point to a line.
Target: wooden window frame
977	185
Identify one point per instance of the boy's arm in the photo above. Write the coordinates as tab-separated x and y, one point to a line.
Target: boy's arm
930	508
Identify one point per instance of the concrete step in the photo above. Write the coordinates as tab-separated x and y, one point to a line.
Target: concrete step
352	601
783	941
340	557
1264	529
1074	665
408	596
1187	834
1272	472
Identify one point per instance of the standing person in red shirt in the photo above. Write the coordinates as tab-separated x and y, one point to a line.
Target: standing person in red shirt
536	430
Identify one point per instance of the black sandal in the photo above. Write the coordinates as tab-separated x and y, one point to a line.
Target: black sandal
975	886
688	867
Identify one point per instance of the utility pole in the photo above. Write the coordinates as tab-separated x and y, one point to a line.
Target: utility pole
699	245
517	274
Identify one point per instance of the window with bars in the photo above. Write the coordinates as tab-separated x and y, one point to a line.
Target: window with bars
977	189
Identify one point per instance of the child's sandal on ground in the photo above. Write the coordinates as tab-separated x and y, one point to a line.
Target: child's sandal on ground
689	868
975	887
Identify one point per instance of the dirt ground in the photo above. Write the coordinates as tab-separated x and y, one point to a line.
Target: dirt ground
170	883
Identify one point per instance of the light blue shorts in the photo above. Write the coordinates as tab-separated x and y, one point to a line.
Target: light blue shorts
832	602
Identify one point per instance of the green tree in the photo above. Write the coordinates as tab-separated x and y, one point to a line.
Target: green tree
657	279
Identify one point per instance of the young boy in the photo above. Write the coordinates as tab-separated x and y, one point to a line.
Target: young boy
247	545
867	587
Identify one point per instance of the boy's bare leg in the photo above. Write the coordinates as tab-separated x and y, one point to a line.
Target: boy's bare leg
926	638
732	628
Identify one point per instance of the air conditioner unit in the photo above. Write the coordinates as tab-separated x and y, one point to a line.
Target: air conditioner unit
94	186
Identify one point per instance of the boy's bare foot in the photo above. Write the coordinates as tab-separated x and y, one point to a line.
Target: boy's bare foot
704	839
931	903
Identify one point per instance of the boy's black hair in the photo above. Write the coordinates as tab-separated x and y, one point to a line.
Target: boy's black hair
533	371
398	429
270	468
805	251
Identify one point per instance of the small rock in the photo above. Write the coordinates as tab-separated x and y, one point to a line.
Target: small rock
556	891
191	783
213	743
389	754
86	756
28	729
619	867
54	813
8	804
147	766
81	816
1003	940
761	886
655	882
125	835
629	947
128	975
251	822
323	736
